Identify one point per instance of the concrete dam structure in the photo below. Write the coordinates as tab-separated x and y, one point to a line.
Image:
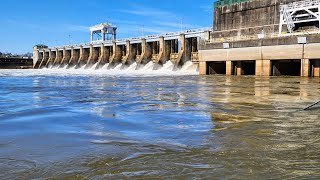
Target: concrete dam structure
105	51
263	38
248	37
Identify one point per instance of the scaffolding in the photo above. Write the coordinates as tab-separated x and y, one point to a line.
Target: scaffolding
298	13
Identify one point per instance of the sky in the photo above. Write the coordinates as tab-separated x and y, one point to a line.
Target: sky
25	23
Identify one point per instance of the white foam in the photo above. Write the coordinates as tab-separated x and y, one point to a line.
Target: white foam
147	70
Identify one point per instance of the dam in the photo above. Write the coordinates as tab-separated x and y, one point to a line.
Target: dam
263	38
105	51
248	37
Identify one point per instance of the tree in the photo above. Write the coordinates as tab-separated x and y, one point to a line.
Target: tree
1	54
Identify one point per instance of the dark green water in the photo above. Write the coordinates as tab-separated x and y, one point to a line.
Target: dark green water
103	127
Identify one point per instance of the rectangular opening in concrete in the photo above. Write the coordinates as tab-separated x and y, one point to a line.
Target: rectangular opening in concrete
243	67
286	67
216	67
314	68
110	49
248	67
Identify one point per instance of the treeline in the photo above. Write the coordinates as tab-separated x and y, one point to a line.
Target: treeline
8	55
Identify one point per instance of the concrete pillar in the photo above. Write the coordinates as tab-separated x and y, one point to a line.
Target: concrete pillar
116	56
83	57
305	67
58	59
93	56
104	56
44	59
228	68
66	57
51	59
130	53
162	50
182	55
75	56
145	52
36	58
203	68
263	68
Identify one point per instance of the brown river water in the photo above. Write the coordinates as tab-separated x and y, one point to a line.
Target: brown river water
57	126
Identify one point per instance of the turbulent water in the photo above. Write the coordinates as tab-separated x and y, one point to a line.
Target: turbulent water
98	125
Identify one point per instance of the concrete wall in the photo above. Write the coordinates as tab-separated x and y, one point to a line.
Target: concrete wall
249	17
308	54
296	51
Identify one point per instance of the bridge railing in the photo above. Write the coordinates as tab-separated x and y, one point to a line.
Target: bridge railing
195	32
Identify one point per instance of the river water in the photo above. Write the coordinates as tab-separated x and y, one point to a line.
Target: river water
62	125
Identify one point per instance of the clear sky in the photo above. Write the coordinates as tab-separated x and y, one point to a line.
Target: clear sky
25	23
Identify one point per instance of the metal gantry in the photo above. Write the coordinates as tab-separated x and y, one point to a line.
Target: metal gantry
295	13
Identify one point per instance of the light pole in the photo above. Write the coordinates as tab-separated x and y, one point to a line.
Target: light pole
181	23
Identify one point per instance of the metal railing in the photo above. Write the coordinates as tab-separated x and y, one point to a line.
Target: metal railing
266	36
194	32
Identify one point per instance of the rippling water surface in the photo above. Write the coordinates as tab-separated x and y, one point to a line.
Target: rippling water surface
56	125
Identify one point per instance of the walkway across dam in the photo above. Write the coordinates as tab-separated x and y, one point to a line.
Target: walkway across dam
178	48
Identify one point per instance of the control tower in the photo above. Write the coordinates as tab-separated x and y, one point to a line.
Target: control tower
103	32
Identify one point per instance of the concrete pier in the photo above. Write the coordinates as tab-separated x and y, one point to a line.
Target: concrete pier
75	55
116	55
84	55
130	53
66	57
58	59
104	56
94	55
45	58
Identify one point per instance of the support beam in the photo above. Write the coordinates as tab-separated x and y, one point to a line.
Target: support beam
181	57
93	56
66	57
263	67
116	56
58	59
229	68
45	57
75	55
305	67
37	57
51	58
162	50
130	54
145	52
202	68
84	55
104	56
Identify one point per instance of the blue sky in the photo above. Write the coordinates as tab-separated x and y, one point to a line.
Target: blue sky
30	22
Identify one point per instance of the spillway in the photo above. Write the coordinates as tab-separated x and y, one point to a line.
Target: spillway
166	69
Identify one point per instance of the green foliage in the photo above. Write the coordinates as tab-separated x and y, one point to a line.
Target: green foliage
221	3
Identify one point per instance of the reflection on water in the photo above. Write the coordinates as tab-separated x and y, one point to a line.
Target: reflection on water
171	127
